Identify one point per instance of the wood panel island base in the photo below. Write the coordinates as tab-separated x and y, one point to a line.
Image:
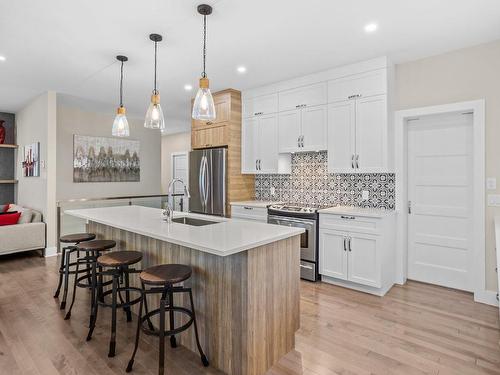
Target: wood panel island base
247	303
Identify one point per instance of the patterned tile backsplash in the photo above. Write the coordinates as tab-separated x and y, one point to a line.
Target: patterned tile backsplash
310	183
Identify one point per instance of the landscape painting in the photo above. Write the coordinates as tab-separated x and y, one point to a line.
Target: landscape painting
102	159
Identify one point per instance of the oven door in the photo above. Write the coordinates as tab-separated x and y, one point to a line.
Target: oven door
307	239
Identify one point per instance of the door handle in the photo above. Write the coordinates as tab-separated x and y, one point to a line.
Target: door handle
256	164
349	242
409	207
348	217
200	183
298	141
345	246
302	141
357	161
260	167
247	208
352	161
306	267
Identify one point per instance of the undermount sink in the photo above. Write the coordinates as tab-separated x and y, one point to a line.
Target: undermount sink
192	221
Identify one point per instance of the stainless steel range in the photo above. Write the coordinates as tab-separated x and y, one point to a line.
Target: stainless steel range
302	216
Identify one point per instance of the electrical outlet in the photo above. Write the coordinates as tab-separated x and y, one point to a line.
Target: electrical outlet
365	195
491	183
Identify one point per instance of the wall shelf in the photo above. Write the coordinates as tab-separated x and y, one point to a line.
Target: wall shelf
8	146
8	181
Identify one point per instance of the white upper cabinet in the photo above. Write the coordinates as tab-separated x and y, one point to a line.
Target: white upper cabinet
306	96
341	136
371	134
358	85
303	129
260	144
260	105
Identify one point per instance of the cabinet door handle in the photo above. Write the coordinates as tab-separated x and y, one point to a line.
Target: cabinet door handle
247	208
349	239
209	122
260	168
256	165
348	217
352	161
302	141
345	246
298	141
357	161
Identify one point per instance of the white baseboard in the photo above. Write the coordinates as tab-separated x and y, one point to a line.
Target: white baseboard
50	251
488	297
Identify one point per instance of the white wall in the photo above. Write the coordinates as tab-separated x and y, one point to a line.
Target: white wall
467	74
36	122
179	142
75	116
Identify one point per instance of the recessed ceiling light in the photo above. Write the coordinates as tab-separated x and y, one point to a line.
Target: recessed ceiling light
371	27
188	87
241	69
2	58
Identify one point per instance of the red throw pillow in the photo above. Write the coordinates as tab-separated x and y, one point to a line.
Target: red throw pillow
9	219
6	208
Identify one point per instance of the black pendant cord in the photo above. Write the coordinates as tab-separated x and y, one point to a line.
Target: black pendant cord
121	85
204	74
155	91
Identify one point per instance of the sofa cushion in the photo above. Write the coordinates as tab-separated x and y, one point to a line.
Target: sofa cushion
26	213
10	219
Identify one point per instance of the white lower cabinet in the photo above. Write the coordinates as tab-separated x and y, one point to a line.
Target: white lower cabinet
357	252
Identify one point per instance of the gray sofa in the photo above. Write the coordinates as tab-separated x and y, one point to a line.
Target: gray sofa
29	234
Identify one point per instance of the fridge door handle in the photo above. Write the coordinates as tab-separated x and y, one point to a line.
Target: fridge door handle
200	182
206	182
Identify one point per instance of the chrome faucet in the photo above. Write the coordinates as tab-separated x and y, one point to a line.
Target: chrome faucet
168	212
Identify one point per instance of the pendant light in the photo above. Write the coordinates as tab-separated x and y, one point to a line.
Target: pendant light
204	107
120	125
154	115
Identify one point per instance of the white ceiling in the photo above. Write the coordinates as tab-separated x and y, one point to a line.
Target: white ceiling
70	46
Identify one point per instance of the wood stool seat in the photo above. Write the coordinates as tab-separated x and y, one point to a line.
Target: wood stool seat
96	245
165	274
77	237
119	258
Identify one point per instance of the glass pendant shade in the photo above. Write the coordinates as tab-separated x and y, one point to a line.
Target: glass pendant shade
154	115
204	107
120	125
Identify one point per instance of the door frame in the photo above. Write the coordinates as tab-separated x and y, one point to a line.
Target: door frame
477	107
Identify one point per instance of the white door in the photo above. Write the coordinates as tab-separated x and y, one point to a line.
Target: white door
249	145
371	134
268	143
314	128
180	170
333	254
341	136
289	131
440	192
364	261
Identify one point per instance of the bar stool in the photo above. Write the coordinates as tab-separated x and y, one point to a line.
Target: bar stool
116	265
64	268
160	280
93	250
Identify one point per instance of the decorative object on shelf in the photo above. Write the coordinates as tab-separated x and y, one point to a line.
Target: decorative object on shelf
204	107
31	161
154	115
120	125
2	132
101	159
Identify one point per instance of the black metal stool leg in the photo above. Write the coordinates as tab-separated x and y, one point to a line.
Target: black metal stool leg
100	290
146	310
173	341
112	341
161	360
61	271
137	334
66	279
127	294
204	359
93	313
68	314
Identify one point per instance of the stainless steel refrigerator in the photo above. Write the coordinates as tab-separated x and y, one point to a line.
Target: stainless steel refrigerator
207	181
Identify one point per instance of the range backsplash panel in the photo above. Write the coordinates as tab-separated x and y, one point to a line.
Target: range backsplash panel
310	183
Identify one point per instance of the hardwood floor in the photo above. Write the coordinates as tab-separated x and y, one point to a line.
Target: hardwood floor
415	329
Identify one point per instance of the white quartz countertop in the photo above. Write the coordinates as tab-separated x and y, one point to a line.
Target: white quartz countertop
257	204
357	211
226	237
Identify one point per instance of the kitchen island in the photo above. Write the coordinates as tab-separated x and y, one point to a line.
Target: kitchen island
245	278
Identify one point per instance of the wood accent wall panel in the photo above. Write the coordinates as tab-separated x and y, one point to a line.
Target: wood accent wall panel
225	130
247	304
